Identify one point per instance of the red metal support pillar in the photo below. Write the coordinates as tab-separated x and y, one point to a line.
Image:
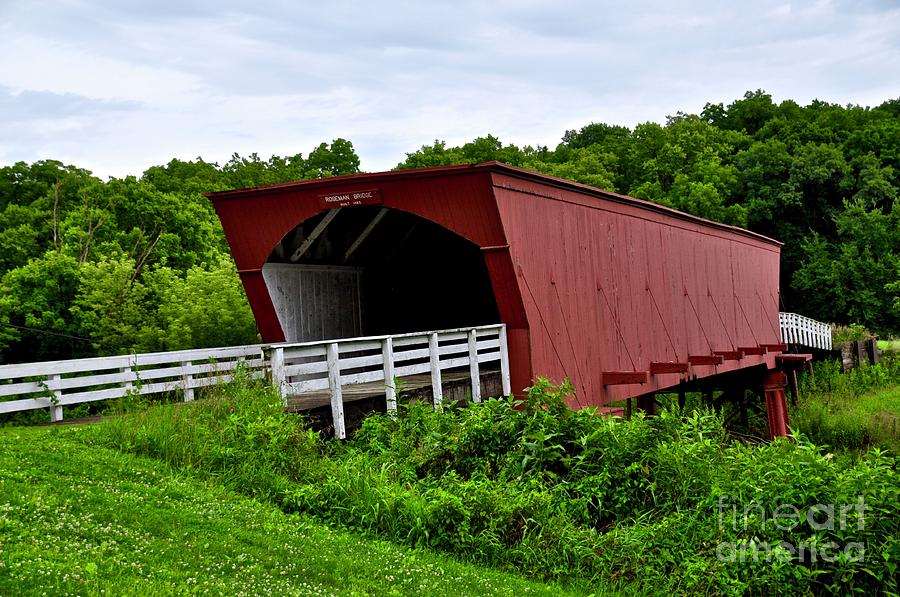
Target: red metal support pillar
776	403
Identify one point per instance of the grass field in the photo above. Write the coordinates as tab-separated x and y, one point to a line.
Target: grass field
890	345
856	410
77	518
232	495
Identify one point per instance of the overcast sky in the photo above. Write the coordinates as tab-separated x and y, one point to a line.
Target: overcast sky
117	87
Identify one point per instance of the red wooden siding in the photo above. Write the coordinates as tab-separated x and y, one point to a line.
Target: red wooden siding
587	281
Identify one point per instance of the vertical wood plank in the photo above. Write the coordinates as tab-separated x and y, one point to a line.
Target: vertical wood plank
129	385
434	359
334	384
390	391
56	410
188	380
279	380
473	366
504	363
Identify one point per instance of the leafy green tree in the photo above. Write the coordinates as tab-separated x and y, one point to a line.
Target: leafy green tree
205	308
430	156
854	278
25	184
481	149
38	296
336	159
111	307
21	229
587	165
686	168
749	114
185	178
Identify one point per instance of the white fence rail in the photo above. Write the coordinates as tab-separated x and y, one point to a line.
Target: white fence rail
296	369
797	329
328	366
55	384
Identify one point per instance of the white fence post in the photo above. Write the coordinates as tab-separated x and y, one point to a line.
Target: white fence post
473	366
56	410
129	385
504	363
276	359
390	392
434	359
295	369
187	379
334	384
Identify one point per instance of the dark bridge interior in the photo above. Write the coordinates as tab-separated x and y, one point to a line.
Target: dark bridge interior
415	275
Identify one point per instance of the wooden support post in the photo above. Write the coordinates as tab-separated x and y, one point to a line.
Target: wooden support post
682	397
473	366
129	385
859	348
776	404
647	403
872	350
434	359
390	390
705	359
334	384
279	379
316	232
743	407
624	378
187	380
365	233
758	350
56	409
666	368
628	409
793	386
504	363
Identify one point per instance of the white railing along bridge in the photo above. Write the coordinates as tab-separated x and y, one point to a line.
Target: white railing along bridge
804	331
302	369
326	369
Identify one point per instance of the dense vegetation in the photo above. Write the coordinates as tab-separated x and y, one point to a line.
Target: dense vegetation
141	263
131	264
652	505
79	519
856	410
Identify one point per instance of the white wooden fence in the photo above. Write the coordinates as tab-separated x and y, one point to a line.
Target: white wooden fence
296	369
797	329
329	366
55	384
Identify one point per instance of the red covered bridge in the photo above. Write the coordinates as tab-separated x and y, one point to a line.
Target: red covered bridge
623	296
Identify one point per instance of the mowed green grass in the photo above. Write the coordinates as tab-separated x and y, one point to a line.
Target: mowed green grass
882	412
885	402
77	518
890	345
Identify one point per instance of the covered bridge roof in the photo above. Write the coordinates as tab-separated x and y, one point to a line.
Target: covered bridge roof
588	282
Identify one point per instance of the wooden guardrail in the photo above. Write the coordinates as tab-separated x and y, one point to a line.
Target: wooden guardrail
328	366
296	369
804	331
56	384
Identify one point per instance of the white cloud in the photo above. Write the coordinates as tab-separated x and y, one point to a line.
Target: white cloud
120	87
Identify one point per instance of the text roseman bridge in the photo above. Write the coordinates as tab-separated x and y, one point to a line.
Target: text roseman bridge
624	297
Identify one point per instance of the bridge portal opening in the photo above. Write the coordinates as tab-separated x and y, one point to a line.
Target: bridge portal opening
371	270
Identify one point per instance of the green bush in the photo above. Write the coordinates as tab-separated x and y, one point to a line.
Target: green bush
533	486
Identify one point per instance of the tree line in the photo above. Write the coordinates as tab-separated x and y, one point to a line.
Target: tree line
92	267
